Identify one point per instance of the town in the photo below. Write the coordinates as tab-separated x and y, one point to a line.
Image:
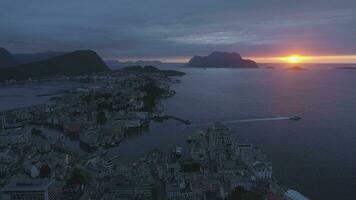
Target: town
37	163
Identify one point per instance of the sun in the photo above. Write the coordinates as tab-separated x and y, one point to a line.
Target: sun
294	59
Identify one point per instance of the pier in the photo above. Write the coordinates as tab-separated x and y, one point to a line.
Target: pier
184	121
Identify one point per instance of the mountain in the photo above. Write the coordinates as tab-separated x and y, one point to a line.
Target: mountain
223	60
75	63
6	59
25	58
151	69
115	64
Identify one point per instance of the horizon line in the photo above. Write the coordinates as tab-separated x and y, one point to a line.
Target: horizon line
312	59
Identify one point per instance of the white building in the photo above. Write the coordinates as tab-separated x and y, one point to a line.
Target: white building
294	195
262	170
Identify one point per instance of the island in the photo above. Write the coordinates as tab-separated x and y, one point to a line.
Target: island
296	68
222	60
347	67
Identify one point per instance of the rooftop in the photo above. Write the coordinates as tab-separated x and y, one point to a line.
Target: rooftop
295	195
28	185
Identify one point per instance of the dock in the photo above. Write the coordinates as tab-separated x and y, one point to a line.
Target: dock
184	121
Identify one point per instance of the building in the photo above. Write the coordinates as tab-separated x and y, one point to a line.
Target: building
31	189
262	170
294	195
132	191
2	122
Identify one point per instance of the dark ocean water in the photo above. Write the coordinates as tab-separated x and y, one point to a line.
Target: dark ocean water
315	155
21	95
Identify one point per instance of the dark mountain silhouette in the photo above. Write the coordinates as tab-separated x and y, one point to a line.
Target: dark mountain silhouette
115	64
25	58
152	69
222	59
76	63
6	59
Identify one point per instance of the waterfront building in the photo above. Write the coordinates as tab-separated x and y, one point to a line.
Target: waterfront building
129	120
294	195
262	170
33	189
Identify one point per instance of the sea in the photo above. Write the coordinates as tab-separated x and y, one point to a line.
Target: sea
315	155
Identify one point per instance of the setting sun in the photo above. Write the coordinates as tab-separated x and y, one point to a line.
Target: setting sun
293	59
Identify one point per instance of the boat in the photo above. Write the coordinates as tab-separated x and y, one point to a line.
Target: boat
295	118
178	150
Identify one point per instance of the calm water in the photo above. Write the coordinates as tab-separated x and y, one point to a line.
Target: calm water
315	155
15	96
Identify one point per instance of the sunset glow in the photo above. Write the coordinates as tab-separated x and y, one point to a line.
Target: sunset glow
293	59
307	59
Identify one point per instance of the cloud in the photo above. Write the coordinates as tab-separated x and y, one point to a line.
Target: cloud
159	28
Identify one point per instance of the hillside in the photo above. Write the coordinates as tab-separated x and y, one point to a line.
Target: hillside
6	59
75	63
25	58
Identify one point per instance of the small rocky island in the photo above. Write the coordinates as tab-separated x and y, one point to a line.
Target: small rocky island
297	68
222	60
347	67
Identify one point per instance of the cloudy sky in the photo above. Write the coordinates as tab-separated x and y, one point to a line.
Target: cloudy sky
177	29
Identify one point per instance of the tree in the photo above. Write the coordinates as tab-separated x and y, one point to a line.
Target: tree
77	178
240	193
45	171
252	196
101	118
35	131
237	193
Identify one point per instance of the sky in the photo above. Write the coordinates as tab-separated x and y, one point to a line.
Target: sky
174	31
